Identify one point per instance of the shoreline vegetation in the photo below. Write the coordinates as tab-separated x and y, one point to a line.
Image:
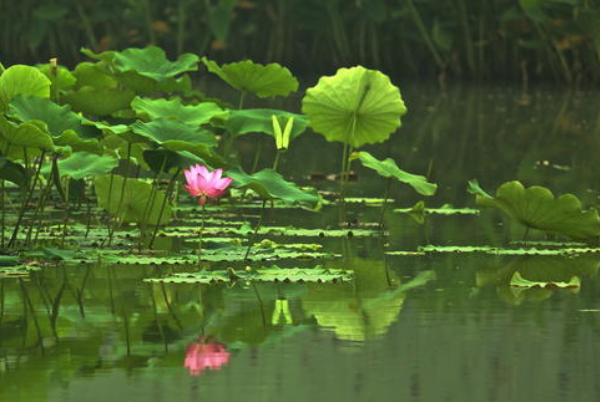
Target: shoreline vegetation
529	40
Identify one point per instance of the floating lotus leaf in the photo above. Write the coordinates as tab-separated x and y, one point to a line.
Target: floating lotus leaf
271	185
388	168
262	80
356	106
506	251
22	80
537	208
132	200
275	274
173	109
260	121
81	165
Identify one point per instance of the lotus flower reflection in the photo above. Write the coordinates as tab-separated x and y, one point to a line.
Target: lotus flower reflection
205	355
205	184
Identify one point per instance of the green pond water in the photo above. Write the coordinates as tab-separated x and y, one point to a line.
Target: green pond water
415	327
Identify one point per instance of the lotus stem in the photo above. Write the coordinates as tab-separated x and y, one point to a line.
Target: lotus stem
386	195
242	99
164	204
67	206
276	162
200	235
118	212
255	233
37	218
3	217
15	233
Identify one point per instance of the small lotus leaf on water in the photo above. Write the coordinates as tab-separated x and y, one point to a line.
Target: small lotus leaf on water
262	80
260	121
174	109
356	106
507	251
317	274
537	208
389	169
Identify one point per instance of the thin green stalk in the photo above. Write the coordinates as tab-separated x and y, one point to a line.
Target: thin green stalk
3	207
257	156
149	22
164	204
253	238
122	197
276	162
15	233
181	18
67	207
464	20
39	210
386	195
418	20
200	234
242	100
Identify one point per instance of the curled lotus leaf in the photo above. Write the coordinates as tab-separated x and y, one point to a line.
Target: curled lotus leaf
356	106
262	80
388	168
22	80
537	208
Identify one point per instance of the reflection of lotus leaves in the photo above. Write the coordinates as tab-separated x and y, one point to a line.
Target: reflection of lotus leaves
360	312
540	268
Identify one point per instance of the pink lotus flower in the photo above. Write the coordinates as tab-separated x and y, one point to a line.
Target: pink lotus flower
201	355
204	184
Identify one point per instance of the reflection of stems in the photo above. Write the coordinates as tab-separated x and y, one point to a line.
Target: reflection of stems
156	319
200	234
261	304
251	241
32	310
170	307
385	201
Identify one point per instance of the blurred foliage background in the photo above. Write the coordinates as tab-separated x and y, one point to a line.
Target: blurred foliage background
523	40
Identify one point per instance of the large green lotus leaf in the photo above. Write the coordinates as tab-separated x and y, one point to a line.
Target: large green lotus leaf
22	80
173	109
13	172
28	135
93	75
142	85
81	165
536	207
134	200
72	140
64	80
149	62
99	101
163	130
58	119
356	106
388	168
271	185
260	121
262	80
